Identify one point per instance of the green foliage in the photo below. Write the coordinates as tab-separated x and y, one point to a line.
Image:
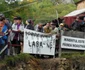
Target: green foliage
64	9
13	60
73	55
40	11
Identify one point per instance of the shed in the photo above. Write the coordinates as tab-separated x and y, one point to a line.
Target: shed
69	18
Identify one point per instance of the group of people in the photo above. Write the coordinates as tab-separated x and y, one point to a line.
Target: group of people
12	33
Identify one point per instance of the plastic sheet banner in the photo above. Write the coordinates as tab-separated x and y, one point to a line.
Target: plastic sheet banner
39	43
72	43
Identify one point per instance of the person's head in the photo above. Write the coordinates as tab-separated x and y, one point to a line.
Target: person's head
29	21
2	20
77	18
14	19
61	25
18	20
2	16
48	24
40	25
53	25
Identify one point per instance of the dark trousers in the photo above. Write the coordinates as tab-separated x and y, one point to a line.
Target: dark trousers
16	48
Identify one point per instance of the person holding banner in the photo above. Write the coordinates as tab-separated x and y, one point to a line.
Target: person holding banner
47	28
39	28
55	30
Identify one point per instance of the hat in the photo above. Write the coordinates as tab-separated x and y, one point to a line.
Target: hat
17	18
61	24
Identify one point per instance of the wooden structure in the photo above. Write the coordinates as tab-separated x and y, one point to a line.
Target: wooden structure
69	18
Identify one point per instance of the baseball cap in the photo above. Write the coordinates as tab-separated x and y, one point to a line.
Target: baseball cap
17	18
61	24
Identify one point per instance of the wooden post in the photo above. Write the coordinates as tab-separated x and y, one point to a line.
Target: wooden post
59	53
60	49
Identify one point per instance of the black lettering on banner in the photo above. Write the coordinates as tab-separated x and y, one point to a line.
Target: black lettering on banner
37	44
33	44
41	45
81	41
75	45
51	44
29	43
68	45
70	40
80	46
48	45
26	33
34	34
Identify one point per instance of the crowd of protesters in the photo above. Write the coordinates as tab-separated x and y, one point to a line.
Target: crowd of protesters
11	33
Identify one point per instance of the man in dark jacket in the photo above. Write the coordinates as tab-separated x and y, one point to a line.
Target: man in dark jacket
76	24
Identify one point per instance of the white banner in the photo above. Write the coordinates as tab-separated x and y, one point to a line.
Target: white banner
38	43
72	43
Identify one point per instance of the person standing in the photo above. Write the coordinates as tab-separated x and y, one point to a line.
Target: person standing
29	24
47	28
39	28
17	35
4	36
76	24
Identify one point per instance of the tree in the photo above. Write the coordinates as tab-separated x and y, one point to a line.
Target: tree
38	10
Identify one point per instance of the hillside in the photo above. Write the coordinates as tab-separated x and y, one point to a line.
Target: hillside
27	62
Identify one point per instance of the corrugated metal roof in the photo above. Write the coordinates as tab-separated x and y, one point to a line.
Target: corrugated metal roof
75	13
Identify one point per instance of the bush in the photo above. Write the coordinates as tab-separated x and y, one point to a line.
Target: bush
14	60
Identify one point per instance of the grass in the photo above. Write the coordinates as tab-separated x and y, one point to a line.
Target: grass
73	55
13	60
